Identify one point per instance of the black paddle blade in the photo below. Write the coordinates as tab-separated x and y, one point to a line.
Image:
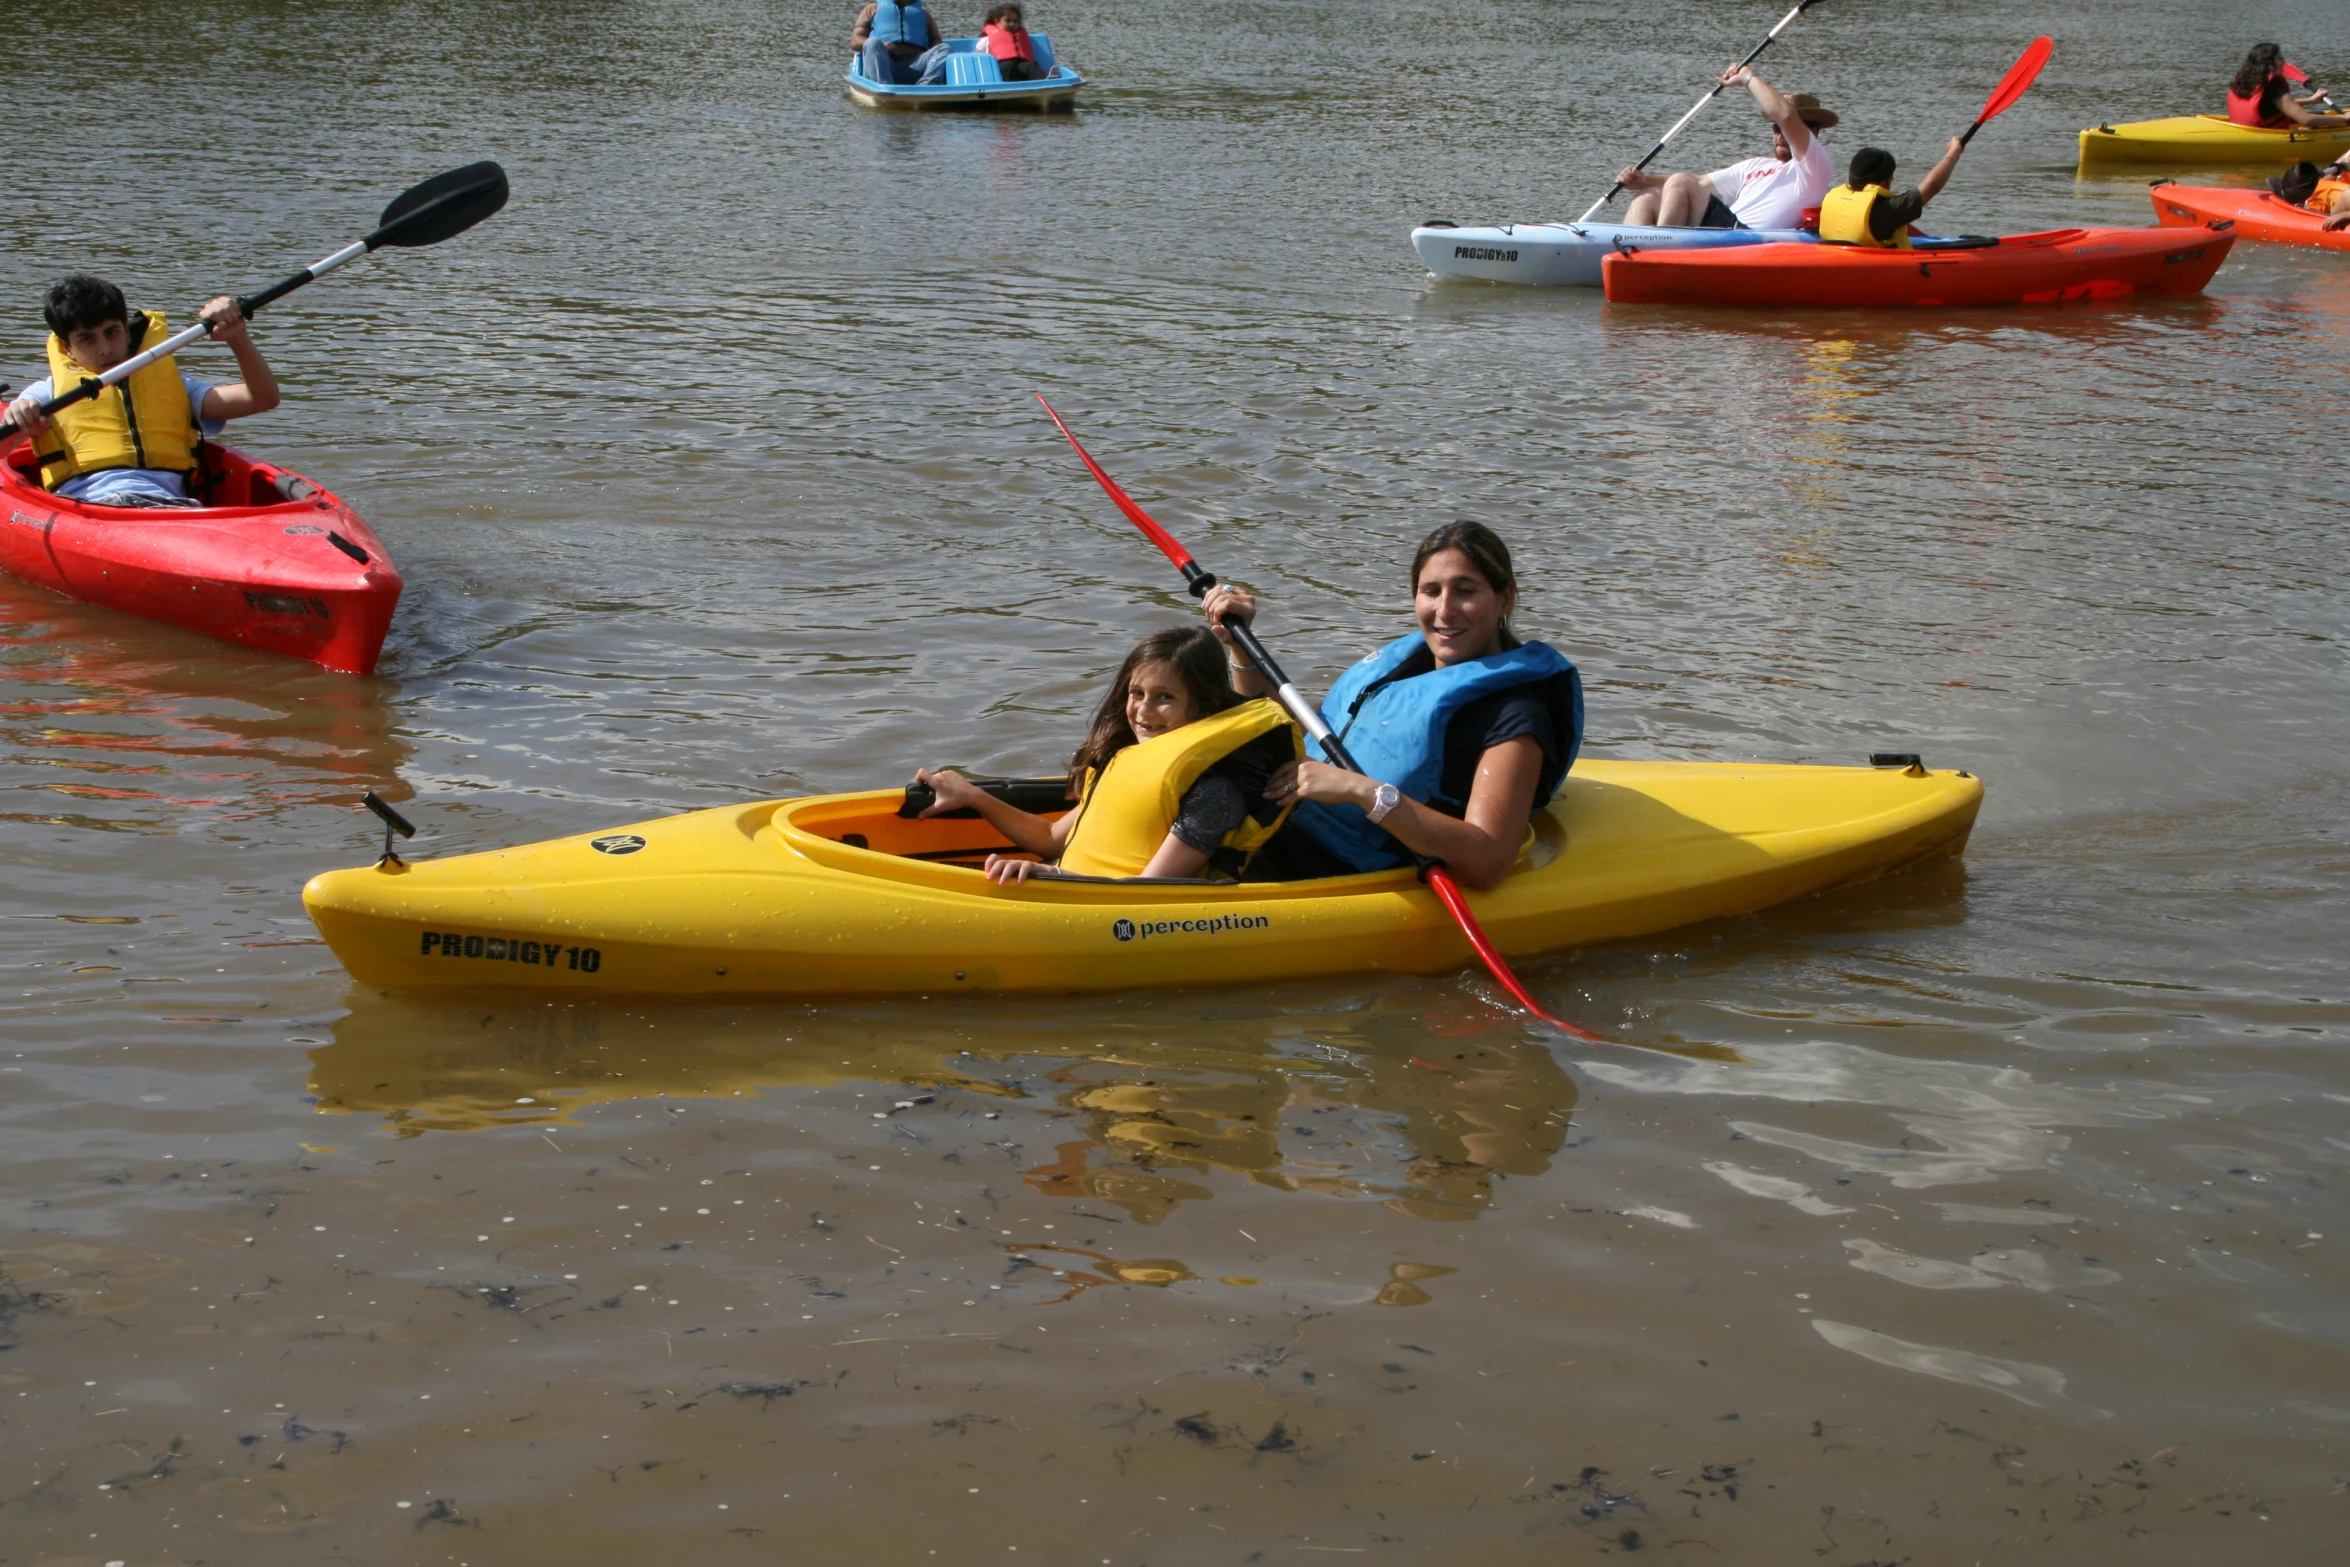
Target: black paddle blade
443	206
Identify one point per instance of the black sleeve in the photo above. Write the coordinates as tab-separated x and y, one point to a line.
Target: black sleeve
1893	213
1484	724
1211	808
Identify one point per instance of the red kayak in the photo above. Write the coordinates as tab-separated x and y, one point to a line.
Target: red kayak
2021	269
271	562
2257	214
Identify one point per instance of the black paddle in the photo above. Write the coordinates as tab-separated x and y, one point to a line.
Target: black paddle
442	207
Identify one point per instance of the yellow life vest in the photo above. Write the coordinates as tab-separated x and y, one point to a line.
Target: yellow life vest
141	422
1844	218
1132	800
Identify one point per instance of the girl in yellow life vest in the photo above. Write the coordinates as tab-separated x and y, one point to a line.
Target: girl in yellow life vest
1170	781
134	444
1866	210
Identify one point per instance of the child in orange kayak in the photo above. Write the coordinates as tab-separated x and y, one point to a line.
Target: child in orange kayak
1006	37
135	443
1172	679
2323	191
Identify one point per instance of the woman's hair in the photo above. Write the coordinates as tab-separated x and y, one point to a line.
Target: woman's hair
82	300
1481	544
2265	61
1870	166
1198	659
995	18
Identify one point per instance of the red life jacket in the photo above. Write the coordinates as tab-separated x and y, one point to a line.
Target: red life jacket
1007	43
2248	111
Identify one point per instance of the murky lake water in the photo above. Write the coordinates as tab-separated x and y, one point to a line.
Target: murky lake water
714	470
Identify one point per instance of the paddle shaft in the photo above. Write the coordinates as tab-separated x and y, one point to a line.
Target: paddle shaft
1293	701
247	305
1698	107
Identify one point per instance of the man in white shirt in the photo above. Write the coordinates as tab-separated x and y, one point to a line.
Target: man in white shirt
1759	193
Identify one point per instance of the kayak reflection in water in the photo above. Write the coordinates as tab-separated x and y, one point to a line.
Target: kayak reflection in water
1189	793
1866	210
1466	731
135	443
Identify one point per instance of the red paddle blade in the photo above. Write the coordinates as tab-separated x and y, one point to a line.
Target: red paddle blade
1135	514
2019	78
2294	73
1450	892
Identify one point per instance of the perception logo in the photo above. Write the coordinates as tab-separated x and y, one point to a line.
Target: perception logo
617	843
1127	930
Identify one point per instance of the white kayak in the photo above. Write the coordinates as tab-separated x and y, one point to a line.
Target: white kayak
1562	255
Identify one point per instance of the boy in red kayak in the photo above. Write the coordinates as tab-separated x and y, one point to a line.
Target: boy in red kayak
135	443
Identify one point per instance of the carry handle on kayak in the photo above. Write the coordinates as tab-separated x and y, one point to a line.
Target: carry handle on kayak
1698	108
1309	718
442	207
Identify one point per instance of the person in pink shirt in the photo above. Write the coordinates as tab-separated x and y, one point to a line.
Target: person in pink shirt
1006	37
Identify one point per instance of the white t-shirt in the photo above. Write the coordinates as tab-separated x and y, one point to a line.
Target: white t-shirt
1764	193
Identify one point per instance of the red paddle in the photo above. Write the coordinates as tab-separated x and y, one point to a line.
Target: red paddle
1431	871
2012	86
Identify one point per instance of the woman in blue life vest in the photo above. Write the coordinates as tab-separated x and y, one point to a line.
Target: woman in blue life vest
1463	731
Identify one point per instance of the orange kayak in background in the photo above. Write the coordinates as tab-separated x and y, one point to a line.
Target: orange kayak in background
2057	267
2257	214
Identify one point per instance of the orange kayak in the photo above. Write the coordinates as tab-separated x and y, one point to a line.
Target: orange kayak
2057	267
2257	214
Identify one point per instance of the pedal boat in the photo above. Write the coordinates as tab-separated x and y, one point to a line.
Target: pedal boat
974	81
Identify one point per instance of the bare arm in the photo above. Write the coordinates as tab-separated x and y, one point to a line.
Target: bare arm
1479	847
1939	175
1033	833
864	25
1225	599
2293	109
1775	107
257	393
1175	858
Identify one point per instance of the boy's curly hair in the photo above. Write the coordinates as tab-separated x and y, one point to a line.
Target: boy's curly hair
82	301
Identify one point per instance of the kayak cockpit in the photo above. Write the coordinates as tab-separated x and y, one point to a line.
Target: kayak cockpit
225	480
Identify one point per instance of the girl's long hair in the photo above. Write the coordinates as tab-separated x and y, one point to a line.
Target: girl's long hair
2263	62
1199	663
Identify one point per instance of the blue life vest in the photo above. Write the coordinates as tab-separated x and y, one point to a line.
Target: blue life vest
900	24
1396	734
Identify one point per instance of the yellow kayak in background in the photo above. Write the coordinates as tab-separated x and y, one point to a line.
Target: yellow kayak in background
838	894
2208	138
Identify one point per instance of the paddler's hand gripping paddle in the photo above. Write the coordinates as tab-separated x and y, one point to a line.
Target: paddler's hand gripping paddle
1199	581
442	207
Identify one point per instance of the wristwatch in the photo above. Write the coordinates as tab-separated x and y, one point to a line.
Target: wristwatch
1385	798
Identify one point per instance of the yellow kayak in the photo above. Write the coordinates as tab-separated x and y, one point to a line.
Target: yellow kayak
838	894
2208	138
